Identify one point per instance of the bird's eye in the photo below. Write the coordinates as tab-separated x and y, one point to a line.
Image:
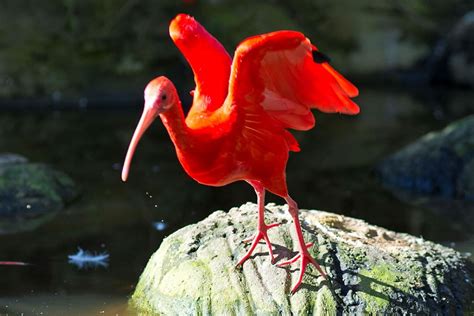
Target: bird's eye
163	97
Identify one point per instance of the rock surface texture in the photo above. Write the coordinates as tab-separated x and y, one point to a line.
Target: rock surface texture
440	163
372	270
30	193
452	60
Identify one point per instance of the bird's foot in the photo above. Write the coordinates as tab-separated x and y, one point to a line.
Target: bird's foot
305	258
261	234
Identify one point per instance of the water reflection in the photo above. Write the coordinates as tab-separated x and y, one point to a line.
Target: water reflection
65	304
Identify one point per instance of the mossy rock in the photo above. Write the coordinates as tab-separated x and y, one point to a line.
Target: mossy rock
440	163
31	193
371	270
452	61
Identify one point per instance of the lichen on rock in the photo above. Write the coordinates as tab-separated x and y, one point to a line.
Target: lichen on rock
371	270
31	193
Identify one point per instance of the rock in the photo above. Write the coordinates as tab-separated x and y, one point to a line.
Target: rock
440	163
452	60
30	193
9	158
372	270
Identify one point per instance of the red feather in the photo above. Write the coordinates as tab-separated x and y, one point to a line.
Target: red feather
238	126
209	61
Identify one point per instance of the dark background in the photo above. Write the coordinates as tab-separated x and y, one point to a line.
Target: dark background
72	75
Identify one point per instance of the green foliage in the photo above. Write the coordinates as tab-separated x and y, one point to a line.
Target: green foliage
63	44
426	21
85	47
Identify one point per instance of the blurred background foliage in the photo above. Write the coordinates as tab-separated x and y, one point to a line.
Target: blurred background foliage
413	61
68	48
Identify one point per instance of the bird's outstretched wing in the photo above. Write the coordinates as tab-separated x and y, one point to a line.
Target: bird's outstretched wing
208	59
285	75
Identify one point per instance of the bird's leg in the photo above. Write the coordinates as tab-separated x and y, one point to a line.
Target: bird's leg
303	254
262	228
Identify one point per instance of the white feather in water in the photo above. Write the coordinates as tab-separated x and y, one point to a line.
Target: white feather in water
84	259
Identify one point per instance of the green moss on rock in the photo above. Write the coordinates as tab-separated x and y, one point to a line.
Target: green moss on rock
371	270
39	179
377	285
30	193
326	304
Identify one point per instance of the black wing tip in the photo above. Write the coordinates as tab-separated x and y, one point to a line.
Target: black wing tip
320	58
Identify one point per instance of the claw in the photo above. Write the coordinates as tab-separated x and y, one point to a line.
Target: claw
261	234
305	259
293	260
273	225
290	261
249	239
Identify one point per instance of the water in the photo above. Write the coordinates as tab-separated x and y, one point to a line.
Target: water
128	220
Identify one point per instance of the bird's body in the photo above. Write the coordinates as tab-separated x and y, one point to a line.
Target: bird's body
237	127
227	151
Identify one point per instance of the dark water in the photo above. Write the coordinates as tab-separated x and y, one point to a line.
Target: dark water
333	172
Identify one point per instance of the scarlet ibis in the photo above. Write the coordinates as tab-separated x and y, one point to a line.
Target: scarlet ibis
237	127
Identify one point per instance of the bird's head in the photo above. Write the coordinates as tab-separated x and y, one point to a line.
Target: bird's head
160	96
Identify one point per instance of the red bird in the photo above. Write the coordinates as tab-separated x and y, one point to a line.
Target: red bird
237	127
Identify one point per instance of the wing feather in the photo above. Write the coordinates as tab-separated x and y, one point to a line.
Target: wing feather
277	73
208	59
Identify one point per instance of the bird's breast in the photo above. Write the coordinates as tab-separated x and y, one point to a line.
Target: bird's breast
210	162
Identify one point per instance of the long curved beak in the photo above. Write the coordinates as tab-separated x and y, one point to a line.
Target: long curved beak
148	116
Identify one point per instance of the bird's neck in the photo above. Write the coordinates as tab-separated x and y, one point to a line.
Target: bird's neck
175	124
